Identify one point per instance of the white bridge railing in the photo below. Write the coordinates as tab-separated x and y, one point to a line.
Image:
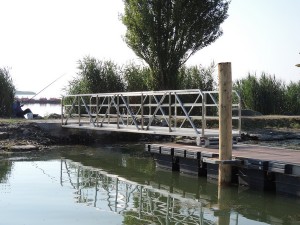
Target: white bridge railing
177	112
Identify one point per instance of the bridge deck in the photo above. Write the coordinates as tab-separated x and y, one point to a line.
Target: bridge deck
153	130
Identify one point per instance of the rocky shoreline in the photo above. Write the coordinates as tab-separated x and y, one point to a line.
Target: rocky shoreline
27	135
24	135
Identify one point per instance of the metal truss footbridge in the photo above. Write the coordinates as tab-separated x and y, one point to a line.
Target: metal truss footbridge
192	113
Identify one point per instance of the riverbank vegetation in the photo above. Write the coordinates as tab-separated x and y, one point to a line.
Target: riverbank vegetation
96	76
262	93
268	95
7	92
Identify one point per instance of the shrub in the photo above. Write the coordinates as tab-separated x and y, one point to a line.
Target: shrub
96	76
137	78
292	96
7	92
196	77
265	94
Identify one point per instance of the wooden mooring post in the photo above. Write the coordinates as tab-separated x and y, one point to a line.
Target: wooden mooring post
225	121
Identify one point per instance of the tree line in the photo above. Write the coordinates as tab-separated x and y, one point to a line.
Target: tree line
97	76
263	93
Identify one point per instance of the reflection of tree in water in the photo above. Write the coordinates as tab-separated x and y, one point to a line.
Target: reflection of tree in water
5	170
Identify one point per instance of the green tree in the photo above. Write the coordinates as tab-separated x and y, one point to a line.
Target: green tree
271	95
248	89
166	33
7	92
137	78
292	97
197	77
95	76
265	94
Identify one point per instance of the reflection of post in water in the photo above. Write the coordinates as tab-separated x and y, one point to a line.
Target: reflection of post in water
77	186
141	201
168	210
116	198
61	170
224	206
96	191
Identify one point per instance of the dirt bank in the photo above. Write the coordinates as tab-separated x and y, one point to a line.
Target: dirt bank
24	133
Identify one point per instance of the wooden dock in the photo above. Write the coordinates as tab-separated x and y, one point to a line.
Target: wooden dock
258	167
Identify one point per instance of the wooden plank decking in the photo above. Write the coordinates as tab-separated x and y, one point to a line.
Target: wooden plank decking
249	151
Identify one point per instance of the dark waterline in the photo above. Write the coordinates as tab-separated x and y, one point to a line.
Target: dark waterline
121	185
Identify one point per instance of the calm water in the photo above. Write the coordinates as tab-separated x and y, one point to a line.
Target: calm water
120	185
43	109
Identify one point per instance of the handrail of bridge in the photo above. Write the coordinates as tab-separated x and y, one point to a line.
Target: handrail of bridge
171	112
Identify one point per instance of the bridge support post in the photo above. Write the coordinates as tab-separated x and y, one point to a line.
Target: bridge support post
225	121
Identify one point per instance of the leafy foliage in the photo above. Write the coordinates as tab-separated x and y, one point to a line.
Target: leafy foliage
264	94
292	98
137	78
96	76
166	33
197	77
7	92
268	95
271	95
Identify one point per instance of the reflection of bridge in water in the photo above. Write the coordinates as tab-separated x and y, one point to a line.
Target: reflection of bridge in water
140	203
158	202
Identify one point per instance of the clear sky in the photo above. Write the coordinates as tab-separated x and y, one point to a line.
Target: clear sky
43	39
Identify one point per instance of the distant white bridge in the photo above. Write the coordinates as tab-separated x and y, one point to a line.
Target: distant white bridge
192	113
